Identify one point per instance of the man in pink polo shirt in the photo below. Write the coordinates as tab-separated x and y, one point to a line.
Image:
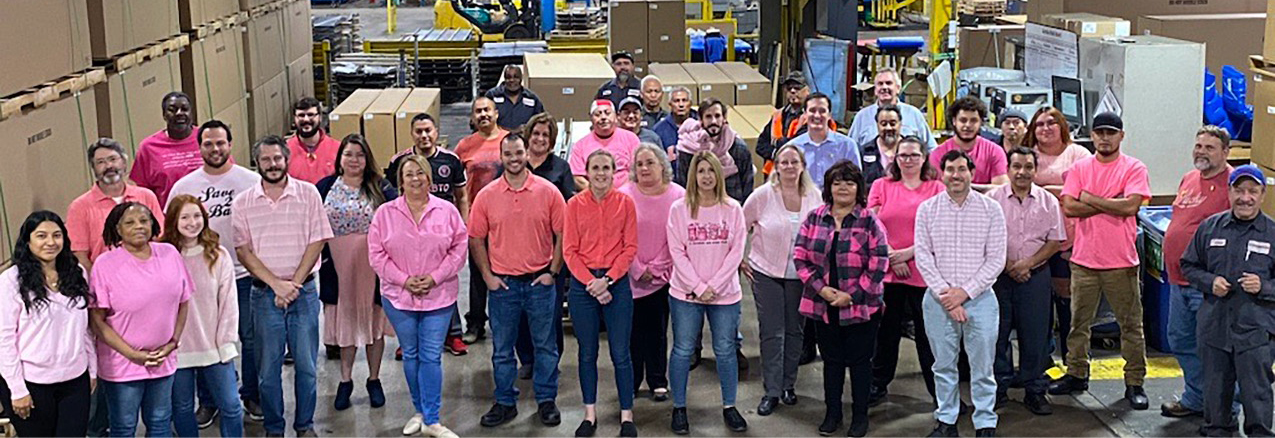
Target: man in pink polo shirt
168	155
990	166
86	216
1105	191
313	151
604	135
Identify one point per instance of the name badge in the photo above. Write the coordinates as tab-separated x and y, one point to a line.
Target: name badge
1257	247
528	102
870	158
1217	242
635	92
606	92
498	99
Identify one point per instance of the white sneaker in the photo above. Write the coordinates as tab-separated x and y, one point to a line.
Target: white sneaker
414	425
438	431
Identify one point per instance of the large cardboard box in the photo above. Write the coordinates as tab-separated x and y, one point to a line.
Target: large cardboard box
1268	49
213	73
673	76
1268	202
118	26
749	133
236	117
300	79
266	114
41	40
666	31
984	45
1262	85
1087	24
44	167
711	82
1132	9
567	82
751	88
347	118
378	123
129	103
296	25
629	30
263	42
193	13
421	101
1229	39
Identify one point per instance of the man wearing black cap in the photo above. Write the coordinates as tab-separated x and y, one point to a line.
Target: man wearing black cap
630	119
515	104
624	85
1103	193
1230	257
786	122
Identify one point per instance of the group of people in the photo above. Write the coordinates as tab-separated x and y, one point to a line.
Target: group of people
157	286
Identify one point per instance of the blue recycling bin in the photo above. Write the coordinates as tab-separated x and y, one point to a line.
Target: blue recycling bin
1153	222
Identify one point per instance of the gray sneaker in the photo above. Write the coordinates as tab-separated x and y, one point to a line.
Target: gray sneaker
205	415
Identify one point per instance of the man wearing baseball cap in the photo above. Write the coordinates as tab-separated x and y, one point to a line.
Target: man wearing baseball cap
604	135
1104	193
1013	125
785	123
630	119
1230	258
625	84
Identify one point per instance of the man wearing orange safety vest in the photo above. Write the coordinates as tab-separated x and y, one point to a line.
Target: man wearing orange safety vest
787	122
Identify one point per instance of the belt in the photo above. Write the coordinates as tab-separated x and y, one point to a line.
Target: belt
528	277
259	283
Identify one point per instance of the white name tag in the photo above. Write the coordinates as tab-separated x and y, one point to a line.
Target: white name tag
1259	247
870	158
499	99
528	102
1217	242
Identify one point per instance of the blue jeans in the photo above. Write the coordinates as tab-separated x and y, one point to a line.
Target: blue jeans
296	328
506	307
154	397
688	322
248	345
421	334
979	334
222	386
1184	303
586	317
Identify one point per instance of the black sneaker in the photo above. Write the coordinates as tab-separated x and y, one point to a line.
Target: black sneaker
985	432
944	430
680	424
1038	404
252	410
1137	397
1068	384
587	428
858	427
831	423
734	421
205	415
498	415
628	429
548	413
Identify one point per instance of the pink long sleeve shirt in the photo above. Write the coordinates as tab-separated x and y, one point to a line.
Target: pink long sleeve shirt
49	344
212	318
399	247
652	245
706	251
774	229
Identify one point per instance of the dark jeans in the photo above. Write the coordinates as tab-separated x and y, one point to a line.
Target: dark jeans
476	317
848	347
508	306
1251	370
63	409
586	317
902	302
526	351
648	344
1024	307
248	384
220	378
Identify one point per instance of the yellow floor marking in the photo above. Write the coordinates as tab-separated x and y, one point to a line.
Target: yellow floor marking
1112	368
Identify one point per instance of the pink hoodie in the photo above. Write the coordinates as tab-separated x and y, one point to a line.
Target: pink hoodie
399	247
706	251
212	318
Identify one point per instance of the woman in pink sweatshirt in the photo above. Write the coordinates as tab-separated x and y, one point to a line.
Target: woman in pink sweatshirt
46	349
208	348
706	237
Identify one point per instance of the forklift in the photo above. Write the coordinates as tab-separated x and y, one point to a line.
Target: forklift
505	19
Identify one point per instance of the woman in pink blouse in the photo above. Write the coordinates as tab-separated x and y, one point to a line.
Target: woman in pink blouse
909	181
773	214
208	348
706	237
417	245
140	289
653	192
46	349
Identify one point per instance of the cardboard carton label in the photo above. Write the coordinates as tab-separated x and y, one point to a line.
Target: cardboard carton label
1270	110
367	117
654	6
707	88
1089	28
743	86
1122	28
664	37
568	91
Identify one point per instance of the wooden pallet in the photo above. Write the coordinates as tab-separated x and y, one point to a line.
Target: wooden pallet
42	94
597	32
987	8
1257	61
214	26
155	50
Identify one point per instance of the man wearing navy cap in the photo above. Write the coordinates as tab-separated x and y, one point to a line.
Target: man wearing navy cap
1230	258
624	85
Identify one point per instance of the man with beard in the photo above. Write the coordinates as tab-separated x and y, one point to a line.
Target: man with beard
280	229
313	151
1034	224
1230	256
823	146
215	184
679	103
887	86
711	132
1013	125
519	253
1104	192
514	103
480	154
966	116
624	85
167	155
630	119
652	102
786	122
1202	193
86	216
604	135
879	153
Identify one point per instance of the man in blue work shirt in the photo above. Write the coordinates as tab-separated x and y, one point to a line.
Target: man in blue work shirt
887	86
514	104
624	85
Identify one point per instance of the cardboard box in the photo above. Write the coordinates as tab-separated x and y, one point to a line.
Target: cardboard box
567	82
711	82
57	29
1262	87
1228	38
347	118
980	47
749	133
673	76
263	43
247	5
666	31
751	88
118	26
1268	49
236	117
300	79
44	167
266	109
421	101
1268	202
213	73
1089	25
193	13
296	25
633	34
378	123
1132	9
129	104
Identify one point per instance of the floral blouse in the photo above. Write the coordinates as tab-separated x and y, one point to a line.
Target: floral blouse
348	210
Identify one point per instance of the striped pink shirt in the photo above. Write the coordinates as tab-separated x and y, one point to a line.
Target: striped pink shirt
279	231
960	245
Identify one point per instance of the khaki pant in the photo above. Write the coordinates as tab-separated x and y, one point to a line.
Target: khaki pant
1123	292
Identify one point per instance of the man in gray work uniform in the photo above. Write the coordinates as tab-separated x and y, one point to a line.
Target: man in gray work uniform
1230	256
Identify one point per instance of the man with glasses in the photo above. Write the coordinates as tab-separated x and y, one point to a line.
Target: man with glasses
313	150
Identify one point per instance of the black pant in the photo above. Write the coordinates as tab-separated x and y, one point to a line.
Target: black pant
848	347
902	302
648	344
476	317
61	409
1024	307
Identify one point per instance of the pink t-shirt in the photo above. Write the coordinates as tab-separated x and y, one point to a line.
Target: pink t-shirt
1050	169
896	206
162	160
652	250
989	158
706	250
1105	241
621	145
1198	198
141	298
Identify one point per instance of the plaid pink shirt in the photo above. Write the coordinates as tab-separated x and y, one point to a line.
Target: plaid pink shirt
862	258
279	231
960	245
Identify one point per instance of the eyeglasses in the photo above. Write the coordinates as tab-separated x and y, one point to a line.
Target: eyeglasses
908	157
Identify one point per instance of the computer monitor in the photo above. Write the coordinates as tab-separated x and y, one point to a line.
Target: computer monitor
1069	97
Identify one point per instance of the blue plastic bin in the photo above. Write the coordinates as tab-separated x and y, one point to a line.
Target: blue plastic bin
1153	222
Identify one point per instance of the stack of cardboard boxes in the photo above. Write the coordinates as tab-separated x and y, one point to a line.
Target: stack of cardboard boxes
1262	90
748	121
733	83
651	30
567	82
277	47
384	117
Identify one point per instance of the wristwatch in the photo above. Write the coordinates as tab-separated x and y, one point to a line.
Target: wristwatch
610	281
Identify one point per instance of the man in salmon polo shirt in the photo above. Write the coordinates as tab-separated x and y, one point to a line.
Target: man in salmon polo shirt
313	151
604	135
173	152
480	154
966	116
86	216
1105	191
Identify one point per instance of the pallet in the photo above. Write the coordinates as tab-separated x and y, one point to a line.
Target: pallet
597	32
152	51
1257	61
223	23
51	91
982	8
